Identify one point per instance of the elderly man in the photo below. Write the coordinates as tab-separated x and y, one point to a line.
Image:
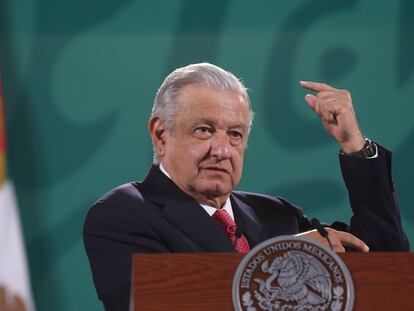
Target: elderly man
199	126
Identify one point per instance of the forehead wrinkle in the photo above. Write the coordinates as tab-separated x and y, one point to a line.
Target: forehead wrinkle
204	120
185	98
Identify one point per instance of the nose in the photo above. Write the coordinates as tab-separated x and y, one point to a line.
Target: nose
220	147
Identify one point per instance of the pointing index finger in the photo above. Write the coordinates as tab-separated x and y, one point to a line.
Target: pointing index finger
316	86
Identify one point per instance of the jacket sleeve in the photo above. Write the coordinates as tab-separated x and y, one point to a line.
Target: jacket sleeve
376	215
113	231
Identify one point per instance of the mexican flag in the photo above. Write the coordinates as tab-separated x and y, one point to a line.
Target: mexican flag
15	292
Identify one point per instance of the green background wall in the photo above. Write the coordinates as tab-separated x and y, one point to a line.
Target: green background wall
79	79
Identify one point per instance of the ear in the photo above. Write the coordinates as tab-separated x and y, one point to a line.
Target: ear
158	134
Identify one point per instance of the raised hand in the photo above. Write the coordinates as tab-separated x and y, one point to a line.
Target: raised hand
335	110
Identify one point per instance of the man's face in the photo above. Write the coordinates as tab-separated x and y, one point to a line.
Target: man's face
204	155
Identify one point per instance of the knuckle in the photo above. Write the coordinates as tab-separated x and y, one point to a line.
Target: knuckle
331	231
346	93
336	243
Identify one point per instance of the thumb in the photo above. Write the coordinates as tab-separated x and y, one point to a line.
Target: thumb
311	100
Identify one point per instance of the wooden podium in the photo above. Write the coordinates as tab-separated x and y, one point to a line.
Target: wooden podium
382	281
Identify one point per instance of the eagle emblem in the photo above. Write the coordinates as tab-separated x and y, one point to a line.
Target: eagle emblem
292	274
294	277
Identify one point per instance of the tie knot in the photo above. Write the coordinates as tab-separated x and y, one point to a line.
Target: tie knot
225	221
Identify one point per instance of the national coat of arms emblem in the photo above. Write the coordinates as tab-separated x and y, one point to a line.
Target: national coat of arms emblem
292	274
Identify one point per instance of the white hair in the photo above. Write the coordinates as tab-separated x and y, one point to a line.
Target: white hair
202	74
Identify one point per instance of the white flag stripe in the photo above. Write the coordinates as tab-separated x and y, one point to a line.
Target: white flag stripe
14	274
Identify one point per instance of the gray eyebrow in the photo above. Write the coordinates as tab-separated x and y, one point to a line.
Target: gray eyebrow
212	122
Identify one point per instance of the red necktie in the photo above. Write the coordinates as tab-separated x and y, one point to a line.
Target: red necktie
226	223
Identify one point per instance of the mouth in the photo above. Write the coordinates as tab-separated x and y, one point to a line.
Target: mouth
216	169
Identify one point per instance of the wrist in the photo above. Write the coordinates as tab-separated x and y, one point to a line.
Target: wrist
368	150
353	146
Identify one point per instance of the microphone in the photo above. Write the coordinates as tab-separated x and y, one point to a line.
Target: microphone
322	231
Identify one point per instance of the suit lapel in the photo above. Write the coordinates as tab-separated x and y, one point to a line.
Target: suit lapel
193	220
185	213
246	217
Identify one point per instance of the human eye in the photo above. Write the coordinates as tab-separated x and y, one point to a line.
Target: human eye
203	132
236	136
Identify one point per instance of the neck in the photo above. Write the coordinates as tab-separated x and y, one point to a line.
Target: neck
216	202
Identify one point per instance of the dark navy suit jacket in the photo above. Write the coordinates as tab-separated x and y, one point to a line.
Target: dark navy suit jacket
155	216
